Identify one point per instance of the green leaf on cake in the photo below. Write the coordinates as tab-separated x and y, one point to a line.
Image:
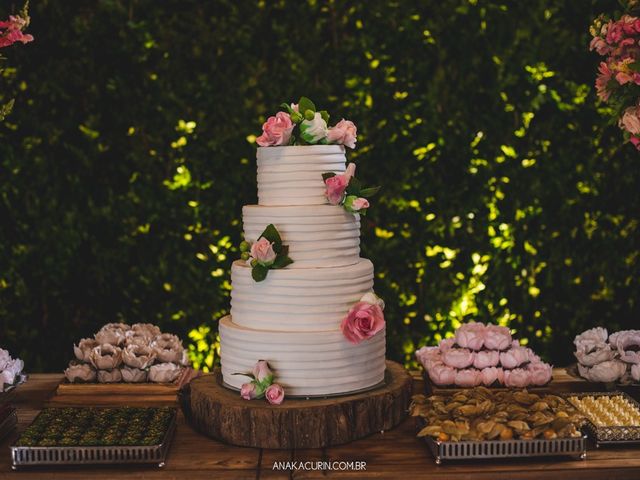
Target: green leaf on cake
305	104
354	187
287	107
326	176
325	115
271	233
369	191
281	261
259	272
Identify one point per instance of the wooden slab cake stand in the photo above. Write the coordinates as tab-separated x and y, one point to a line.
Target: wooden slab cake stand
220	413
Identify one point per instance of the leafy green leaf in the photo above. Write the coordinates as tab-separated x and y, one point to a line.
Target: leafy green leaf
305	104
369	191
354	187
287	107
259	272
281	262
325	115
271	233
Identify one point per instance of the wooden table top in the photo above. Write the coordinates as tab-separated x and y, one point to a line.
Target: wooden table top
393	454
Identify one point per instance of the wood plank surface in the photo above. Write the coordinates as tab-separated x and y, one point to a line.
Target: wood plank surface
394	454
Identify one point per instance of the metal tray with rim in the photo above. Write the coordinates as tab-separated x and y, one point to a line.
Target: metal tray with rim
96	455
609	435
487	449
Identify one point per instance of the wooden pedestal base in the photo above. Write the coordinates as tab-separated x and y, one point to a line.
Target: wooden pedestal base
298	423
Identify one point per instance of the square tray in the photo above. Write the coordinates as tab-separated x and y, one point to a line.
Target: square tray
468	450
609	435
23	456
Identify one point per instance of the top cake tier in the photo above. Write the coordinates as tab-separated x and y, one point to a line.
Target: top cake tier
293	175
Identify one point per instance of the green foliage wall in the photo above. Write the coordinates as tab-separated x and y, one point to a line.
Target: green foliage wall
123	169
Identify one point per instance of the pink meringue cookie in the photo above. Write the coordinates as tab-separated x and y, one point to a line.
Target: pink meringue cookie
497	338
440	374
458	357
490	375
469	377
514	357
486	358
471	335
428	356
517	378
541	373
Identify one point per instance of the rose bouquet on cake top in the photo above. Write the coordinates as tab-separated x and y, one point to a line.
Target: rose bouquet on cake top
618	81
608	358
10	370
480	354
131	354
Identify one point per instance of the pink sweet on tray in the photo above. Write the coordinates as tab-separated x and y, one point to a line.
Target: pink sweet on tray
480	354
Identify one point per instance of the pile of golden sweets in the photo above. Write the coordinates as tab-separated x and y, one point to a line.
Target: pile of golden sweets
608	410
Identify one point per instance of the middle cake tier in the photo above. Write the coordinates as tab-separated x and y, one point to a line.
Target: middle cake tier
298	300
317	235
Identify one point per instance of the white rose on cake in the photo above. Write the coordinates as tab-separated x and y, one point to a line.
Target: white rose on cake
315	130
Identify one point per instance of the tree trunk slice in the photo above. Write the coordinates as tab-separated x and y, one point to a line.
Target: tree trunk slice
220	413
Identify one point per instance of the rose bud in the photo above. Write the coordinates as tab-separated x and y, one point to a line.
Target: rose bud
83	349
458	357
274	394
517	378
486	358
109	376
106	357
80	373
133	375
468	378
164	372
471	336
262	251
138	357
440	374
497	338
262	372
248	391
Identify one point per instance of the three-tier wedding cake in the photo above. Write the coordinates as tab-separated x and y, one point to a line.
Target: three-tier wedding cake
313	317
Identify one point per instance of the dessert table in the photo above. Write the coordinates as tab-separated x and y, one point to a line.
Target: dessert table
394	454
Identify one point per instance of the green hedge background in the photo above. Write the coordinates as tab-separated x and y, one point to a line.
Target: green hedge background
508	196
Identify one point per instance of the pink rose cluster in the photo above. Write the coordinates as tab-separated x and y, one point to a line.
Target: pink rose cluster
364	320
278	130
480	354
619	42
608	358
11	31
262	385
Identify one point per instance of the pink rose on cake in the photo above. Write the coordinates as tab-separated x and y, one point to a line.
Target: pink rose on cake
490	375
276	130
517	378
262	372
440	374
353	204
458	357
468	378
497	338
344	133
364	320
337	185
248	391
471	335
486	358
262	251
274	394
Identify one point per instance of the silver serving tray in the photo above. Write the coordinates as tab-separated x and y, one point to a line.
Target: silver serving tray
609	435
468	450
98	455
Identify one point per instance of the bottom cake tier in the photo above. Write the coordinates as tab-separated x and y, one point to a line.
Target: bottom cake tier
305	363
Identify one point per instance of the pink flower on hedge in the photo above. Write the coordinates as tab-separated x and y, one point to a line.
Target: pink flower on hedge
344	133
497	338
517	378
274	394
276	130
540	373
471	335
486	358
600	45
468	378
11	31
262	251
337	185
458	357
442	375
635	141
602	81
362	322
491	375
630	120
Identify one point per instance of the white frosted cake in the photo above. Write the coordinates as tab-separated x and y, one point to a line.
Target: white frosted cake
292	318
